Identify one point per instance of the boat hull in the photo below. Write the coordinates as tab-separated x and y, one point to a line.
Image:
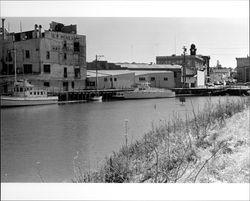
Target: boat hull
8	101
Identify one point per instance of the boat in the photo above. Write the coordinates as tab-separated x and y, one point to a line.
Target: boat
25	94
144	91
96	98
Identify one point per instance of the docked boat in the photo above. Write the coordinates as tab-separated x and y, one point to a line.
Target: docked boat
144	91
25	94
96	98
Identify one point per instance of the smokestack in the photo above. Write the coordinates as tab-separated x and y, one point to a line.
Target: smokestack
35	30
3	32
40	31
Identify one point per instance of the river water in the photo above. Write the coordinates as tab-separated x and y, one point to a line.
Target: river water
40	143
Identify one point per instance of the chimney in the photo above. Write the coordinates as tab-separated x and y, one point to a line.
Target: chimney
3	32
40	31
35	30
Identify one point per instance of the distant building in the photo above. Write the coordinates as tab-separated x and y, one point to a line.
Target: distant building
110	79
243	69
193	63
54	59
176	69
102	65
220	74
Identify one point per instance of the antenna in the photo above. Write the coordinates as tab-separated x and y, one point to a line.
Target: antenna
20	26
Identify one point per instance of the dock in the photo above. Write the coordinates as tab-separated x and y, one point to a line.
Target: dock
85	95
213	91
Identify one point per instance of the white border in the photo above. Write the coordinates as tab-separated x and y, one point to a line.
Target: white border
59	191
231	9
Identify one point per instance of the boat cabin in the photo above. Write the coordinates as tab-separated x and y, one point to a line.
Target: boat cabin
25	89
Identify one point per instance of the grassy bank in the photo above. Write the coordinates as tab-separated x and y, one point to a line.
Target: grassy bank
207	146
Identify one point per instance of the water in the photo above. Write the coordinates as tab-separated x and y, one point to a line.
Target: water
41	142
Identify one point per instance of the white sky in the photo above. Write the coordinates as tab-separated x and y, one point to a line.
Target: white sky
140	39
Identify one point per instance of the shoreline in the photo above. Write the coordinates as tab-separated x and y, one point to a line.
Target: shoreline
201	149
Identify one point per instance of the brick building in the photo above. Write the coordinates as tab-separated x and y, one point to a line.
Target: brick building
54	59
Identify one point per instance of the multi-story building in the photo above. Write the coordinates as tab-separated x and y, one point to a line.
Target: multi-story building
54	59
243	69
192	63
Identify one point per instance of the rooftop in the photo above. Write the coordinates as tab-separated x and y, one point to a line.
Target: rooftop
149	66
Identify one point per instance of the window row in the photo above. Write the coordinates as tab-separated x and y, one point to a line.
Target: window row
106	79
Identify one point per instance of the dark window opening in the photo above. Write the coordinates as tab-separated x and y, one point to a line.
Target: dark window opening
165	79
65	56
77	73
47	55
27	68
152	78
142	78
9	56
65	74
105	79
115	79
46	84
46	68
111	79
27	54
65	44
76	47
65	86
175	74
72	85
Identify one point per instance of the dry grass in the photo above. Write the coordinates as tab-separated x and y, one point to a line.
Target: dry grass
179	150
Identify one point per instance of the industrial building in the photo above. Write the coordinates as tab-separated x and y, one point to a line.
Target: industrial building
192	65
54	59
151	68
243	69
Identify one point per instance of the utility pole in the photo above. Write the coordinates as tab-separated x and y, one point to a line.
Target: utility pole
96	71
184	66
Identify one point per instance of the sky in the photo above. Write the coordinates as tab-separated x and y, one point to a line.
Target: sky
141	39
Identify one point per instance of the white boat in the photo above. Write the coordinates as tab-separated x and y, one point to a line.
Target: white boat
144	91
96	98
24	94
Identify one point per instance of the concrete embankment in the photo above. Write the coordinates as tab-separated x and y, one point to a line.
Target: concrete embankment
210	146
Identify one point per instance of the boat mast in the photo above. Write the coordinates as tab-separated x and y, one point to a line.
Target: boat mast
14	52
96	79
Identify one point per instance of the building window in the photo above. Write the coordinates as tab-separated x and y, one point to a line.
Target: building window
9	56
65	44
111	79
165	79
142	78
115	79
46	84
27	68
175	74
76	47
152	78
64	56
65	73
77	73
34	93
47	55
72	84
46	68
27	54
105	79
